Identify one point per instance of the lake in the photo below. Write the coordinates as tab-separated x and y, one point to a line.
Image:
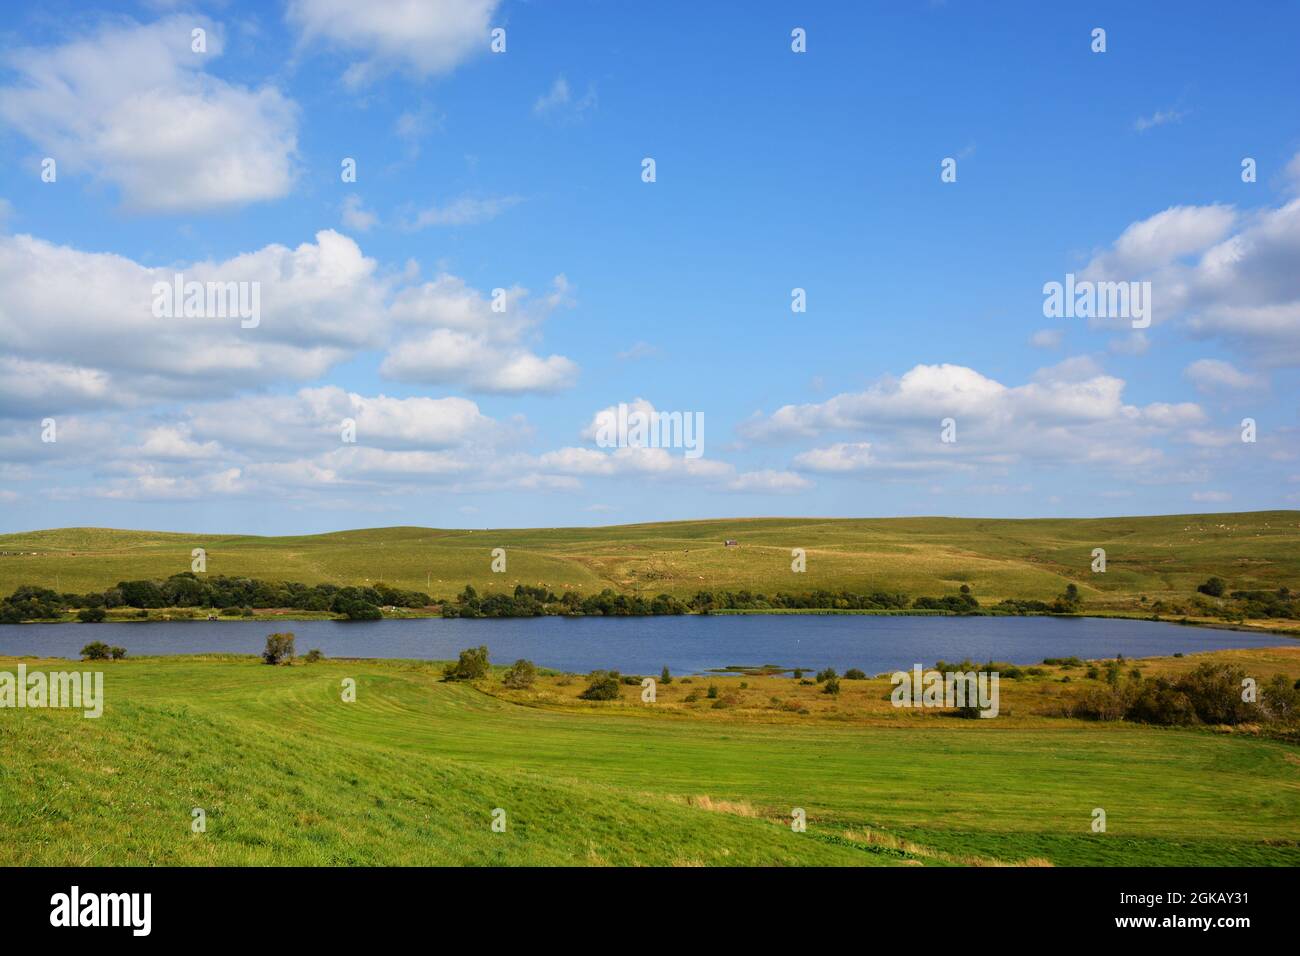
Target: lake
643	645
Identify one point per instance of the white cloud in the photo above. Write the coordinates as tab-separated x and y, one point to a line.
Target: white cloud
356	216
133	106
423	37
1071	412
1161	239
768	482
1159	118
85	319
79	328
559	103
640	350
1210	375
465	211
1221	273
458	339
1047	338
840	457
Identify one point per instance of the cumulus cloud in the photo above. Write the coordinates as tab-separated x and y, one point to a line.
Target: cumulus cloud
456	337
80	330
135	106
840	457
1070	412
81	325
1224	274
1209	375
425	38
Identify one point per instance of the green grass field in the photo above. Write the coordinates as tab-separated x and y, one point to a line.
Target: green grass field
1161	557
409	773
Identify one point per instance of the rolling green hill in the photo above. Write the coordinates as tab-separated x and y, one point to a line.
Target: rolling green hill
1163	557
411	771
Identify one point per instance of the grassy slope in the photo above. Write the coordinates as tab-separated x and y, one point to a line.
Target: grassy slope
410	772
1162	557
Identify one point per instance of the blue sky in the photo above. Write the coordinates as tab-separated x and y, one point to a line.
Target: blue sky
521	170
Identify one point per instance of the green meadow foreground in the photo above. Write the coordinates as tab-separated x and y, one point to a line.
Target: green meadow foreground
1149	559
287	772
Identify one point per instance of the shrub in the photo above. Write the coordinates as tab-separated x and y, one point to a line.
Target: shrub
665	677
1281	699
117	652
520	675
279	648
798	673
828	674
603	686
96	651
314	655
713	692
91	615
1214	587
854	674
832	685
631	680
472	665
1215	692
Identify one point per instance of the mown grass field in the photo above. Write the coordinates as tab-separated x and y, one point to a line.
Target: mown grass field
1162	557
409	773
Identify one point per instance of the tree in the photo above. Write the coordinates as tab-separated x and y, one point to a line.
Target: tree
279	648
90	615
1214	587
854	673
520	675
96	651
665	677
472	665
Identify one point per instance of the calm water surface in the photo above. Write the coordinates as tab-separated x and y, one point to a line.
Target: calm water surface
644	645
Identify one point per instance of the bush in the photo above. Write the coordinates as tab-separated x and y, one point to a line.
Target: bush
713	692
832	685
313	656
279	648
96	651
603	686
520	675
665	677
117	652
854	674
91	615
828	674
472	665
1281	699
1213	587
